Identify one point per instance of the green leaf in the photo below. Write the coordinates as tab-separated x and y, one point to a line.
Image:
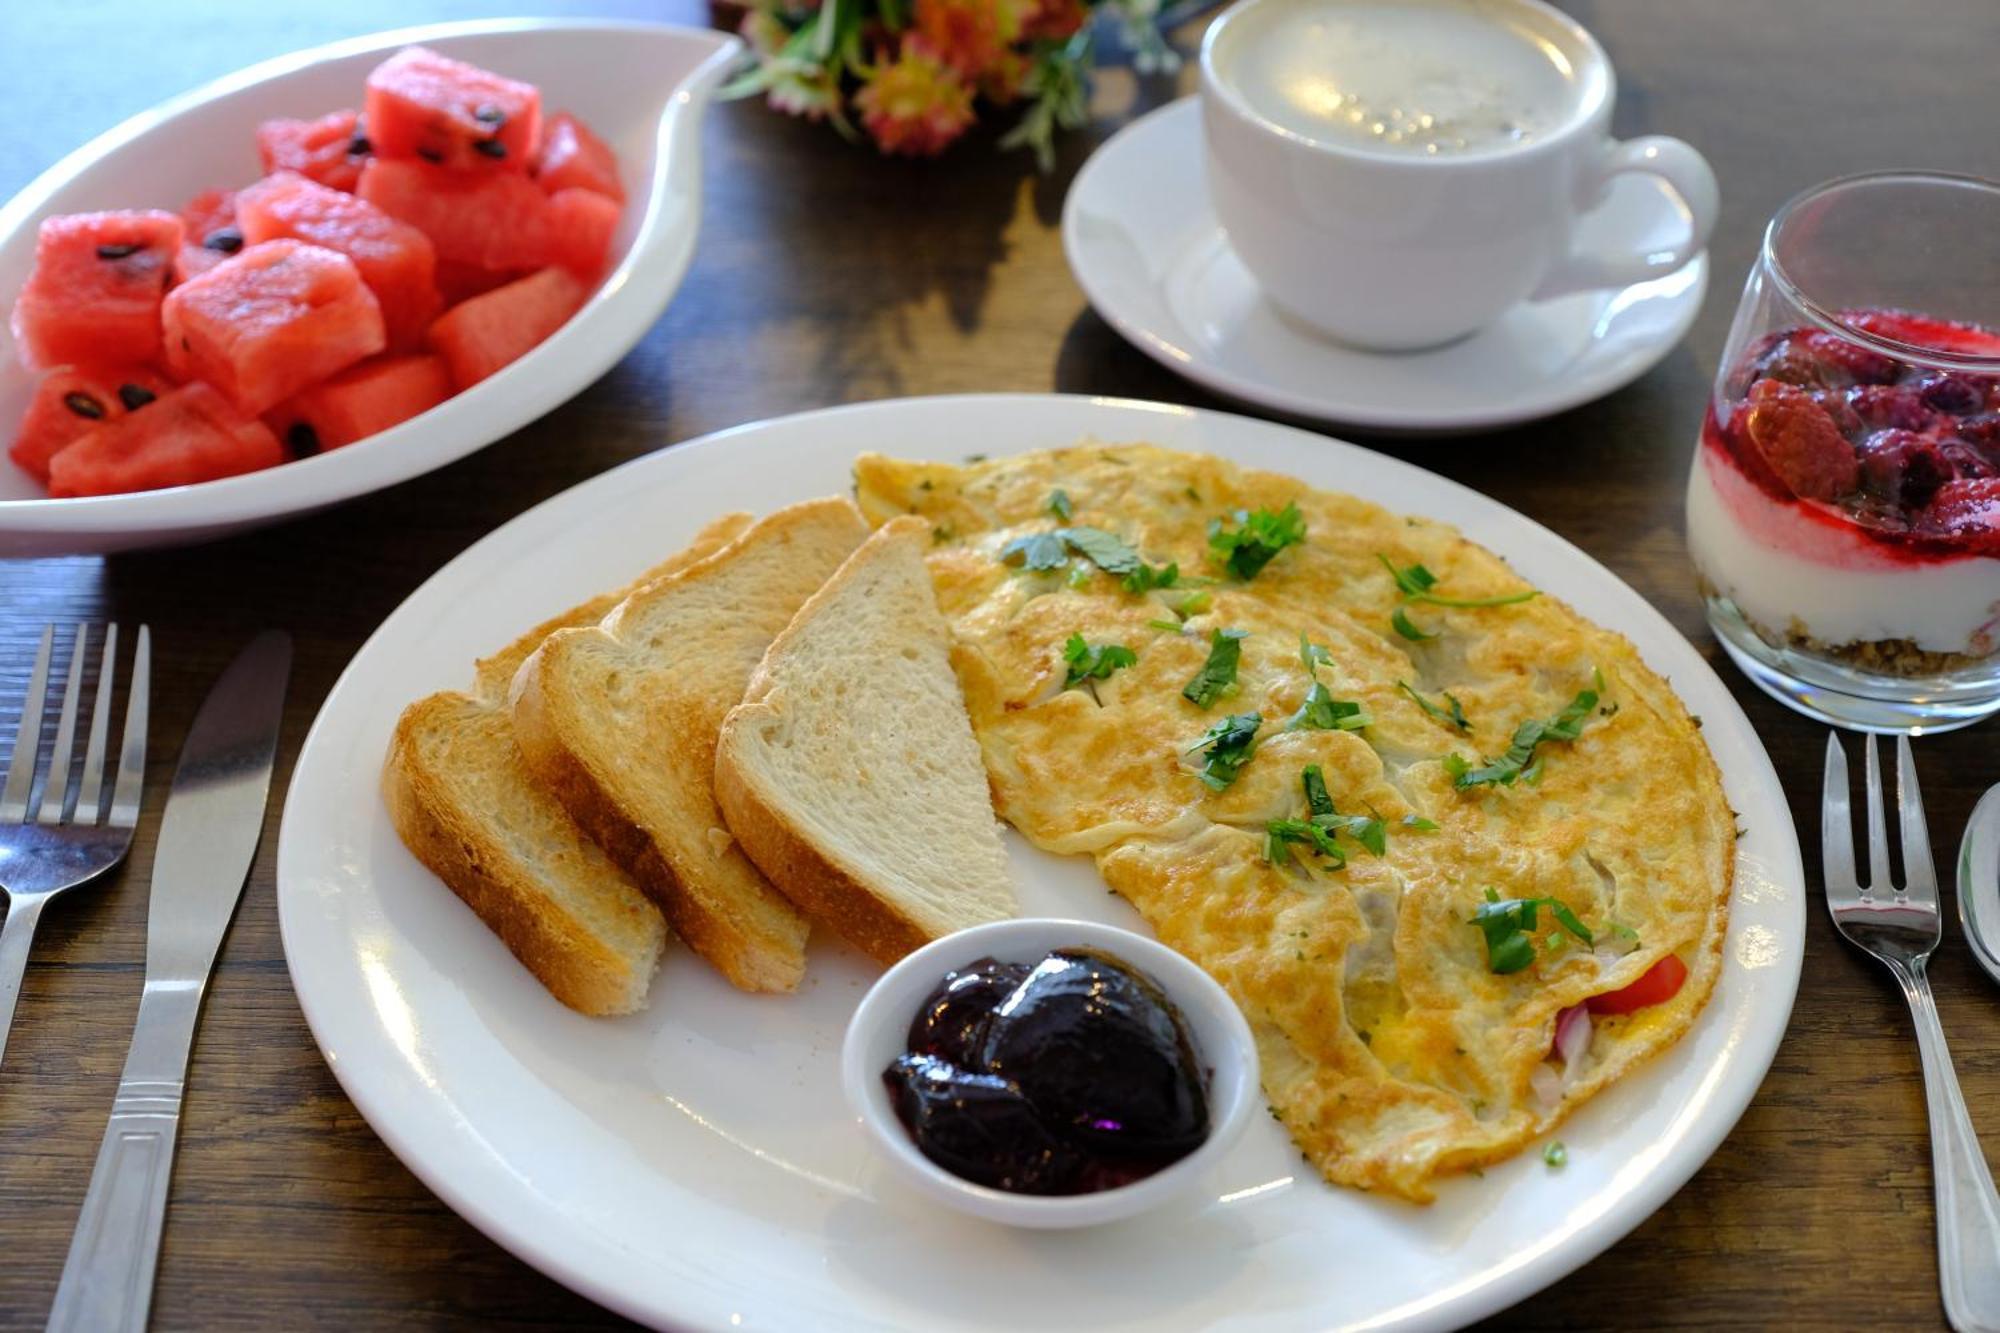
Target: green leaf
1094	663
1227	746
1193	604
1165	626
1037	550
1059	505
1510	767
1312	654
1420	824
1322	712
1318	800
1412	582
1452	717
1400	621
1102	549
1509	925
1416	582
1256	540
1279	833
1218	673
1146	578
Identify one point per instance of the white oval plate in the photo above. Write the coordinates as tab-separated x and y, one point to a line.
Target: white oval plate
642	86
1149	253
696	1165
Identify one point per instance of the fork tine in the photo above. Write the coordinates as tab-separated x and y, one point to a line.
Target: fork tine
55	789
27	737
1879	880
90	791
132	751
1919	876
1836	822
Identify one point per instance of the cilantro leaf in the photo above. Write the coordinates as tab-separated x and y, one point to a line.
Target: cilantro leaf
1059	505
1322	712
1312	654
1515	763
1416	582
1454	717
1165	626
1400	621
1048	550
1193	604
1037	550
1218	673
1420	824
1318	800
1280	832
1088	663
1509	925
1228	746
1256	540
1367	830
1145	578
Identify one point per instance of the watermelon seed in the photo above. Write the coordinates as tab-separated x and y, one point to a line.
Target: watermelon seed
431	155
303	439
120	251
491	147
135	396
84	405
488	114
359	146
226	239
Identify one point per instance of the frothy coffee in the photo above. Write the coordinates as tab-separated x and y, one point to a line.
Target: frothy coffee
1422	77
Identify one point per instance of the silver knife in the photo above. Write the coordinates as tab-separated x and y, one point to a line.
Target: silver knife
1979	882
208	836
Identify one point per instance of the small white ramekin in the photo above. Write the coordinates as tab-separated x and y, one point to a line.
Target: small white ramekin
879	1032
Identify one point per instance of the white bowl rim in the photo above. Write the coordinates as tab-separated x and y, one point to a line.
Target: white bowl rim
1233	1087
308	484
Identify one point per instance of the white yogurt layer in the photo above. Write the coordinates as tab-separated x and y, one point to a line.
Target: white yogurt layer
1781	567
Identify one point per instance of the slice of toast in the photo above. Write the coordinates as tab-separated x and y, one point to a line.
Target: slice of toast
467	808
849	772
619	721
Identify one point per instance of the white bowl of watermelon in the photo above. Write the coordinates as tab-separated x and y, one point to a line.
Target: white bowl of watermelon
454	229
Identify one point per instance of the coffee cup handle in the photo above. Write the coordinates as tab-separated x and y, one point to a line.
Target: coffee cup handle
1690	177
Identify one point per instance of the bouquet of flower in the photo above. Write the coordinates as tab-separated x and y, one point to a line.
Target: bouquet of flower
915	72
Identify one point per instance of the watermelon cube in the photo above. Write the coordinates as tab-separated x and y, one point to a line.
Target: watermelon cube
276	318
211	233
191	434
362	400
396	260
580	226
94	293
480	336
72	401
575	159
330	150
490	220
451	114
462	282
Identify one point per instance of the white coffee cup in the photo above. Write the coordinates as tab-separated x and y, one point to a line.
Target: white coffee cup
1394	249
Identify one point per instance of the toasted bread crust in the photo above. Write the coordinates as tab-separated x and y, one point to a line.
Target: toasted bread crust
821	888
577	968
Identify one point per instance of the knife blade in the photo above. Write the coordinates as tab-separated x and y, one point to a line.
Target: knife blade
1979	882
208	838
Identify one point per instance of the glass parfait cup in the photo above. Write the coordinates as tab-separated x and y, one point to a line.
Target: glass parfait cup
1843	508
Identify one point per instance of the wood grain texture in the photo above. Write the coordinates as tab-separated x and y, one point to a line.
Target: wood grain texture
827	275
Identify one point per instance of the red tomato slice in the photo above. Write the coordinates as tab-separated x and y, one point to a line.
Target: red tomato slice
1656	985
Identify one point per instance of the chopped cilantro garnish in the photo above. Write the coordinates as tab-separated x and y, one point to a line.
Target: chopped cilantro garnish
1509	924
1322	712
1400	621
1515	764
1145	578
1318	800
1059	505
1048	550
1279	832
1228	745
1166	626
1312	654
1453	716
1416	582
1087	663
1555	1154
1218	674
1320	826
1193	604
1257	538
1419	823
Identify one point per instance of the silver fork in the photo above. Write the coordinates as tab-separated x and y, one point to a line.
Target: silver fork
61	841
1902	927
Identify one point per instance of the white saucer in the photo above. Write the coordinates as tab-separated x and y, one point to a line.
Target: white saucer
1147	250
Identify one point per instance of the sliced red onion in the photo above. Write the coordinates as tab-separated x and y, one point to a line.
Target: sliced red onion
1572	1039
1547	1085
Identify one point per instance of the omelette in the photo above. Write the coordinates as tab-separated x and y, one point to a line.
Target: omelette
1458	854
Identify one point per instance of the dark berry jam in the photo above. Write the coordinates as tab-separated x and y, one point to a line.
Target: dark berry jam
1067	1076
1908	453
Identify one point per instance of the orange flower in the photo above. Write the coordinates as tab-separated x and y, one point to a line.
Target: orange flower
971	36
915	104
1054	20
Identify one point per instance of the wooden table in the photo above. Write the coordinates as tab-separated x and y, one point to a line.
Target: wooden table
825	275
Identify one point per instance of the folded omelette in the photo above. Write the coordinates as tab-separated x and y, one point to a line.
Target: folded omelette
1458	854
